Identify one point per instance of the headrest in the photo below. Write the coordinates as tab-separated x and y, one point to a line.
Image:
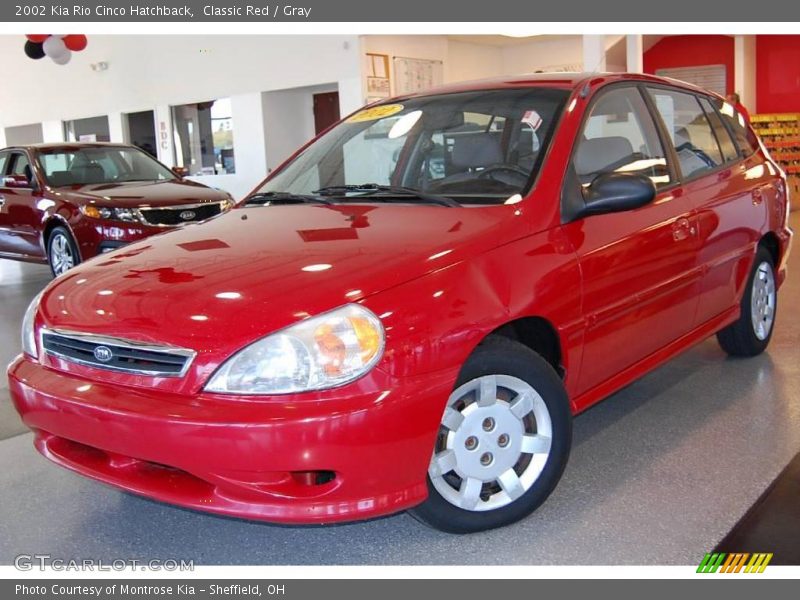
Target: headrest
60	178
92	173
594	155
476	150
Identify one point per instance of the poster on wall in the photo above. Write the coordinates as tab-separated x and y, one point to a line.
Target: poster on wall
379	83
709	77
417	74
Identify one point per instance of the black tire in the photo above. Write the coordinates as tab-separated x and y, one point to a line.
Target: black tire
740	338
60	235
502	356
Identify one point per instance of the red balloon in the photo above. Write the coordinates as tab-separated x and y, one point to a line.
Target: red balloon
75	42
37	38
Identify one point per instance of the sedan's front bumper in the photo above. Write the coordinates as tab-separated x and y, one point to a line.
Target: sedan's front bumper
270	459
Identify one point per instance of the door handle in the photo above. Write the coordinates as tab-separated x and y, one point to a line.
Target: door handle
2	201
758	196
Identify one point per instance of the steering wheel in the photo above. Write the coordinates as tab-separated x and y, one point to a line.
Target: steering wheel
516	170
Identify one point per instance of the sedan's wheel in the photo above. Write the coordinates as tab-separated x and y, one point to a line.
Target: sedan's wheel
751	333
503	441
62	253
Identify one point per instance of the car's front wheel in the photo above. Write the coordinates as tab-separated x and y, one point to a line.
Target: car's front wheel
62	252
503	441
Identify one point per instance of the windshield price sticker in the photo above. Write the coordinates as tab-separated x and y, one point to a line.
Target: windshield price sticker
376	112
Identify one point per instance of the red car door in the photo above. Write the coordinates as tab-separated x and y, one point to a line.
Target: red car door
19	214
752	186
638	266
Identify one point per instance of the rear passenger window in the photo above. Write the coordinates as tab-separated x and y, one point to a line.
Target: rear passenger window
726	144
689	131
744	136
3	161
619	136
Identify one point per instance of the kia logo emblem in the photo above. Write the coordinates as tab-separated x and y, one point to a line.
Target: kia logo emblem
103	353
187	215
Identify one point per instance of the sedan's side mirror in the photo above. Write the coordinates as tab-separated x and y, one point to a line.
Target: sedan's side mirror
16	181
617	192
180	171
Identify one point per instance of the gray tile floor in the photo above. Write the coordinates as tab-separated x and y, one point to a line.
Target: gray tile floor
659	473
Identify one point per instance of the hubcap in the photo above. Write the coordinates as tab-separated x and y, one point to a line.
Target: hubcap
493	443
61	257
762	301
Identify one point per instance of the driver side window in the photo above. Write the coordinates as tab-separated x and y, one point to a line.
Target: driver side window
619	136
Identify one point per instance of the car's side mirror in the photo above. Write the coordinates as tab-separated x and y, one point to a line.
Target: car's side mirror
180	171
16	181
617	192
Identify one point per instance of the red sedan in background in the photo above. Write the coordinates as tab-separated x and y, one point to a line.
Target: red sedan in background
65	203
408	313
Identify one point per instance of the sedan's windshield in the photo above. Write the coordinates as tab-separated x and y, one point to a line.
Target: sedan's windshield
479	147
100	164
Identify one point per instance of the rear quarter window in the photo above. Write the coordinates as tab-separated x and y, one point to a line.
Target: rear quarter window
746	139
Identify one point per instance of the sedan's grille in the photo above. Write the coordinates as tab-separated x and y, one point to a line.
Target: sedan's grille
114	354
177	215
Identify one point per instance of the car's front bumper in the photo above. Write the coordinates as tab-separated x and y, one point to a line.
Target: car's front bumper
96	237
244	458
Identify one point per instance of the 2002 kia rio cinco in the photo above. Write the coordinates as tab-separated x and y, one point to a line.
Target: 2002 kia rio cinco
408	313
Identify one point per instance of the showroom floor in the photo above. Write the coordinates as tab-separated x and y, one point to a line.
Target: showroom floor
659	474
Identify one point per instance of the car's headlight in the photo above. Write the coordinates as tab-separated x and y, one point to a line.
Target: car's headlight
321	352
118	214
28	332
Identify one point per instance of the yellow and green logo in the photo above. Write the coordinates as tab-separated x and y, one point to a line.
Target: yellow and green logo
720	562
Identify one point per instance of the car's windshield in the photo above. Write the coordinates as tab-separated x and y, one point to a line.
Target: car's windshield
106	164
479	147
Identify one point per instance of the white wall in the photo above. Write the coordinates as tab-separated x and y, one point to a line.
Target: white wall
155	72
289	120
543	54
472	61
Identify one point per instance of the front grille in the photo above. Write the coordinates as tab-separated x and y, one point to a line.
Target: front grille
114	354
178	215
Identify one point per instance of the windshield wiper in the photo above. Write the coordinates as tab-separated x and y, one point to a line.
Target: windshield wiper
365	190
270	198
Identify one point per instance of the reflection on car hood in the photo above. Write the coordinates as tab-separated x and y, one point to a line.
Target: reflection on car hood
133	194
218	285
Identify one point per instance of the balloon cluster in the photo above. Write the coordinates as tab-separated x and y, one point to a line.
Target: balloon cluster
57	47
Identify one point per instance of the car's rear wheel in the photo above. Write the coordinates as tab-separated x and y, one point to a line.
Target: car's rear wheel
751	333
503	441
62	252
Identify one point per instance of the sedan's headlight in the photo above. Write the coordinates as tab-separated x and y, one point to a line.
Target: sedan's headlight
28	332
322	352
129	215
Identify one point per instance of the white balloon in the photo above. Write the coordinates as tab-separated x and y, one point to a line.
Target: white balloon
63	59
54	47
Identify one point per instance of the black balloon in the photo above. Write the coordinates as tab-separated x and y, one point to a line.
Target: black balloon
34	50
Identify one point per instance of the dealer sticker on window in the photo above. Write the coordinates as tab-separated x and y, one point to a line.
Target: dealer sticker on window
532	119
375	112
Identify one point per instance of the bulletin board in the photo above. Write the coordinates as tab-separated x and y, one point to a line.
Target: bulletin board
416	74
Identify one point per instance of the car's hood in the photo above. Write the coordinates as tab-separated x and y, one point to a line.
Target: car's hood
216	286
133	194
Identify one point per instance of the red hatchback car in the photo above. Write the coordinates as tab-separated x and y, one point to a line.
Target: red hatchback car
408	313
65	203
